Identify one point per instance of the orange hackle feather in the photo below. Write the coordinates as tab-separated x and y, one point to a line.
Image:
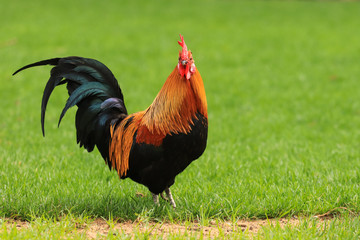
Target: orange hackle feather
172	112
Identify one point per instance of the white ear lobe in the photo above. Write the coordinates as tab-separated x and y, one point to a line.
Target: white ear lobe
192	68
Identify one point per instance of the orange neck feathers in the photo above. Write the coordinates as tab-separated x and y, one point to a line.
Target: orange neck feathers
176	105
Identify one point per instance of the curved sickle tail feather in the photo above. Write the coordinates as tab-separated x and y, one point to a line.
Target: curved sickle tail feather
96	92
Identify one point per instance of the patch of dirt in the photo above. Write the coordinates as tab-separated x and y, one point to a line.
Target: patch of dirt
99	228
20	224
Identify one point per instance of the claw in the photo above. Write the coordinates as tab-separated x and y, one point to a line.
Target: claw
170	197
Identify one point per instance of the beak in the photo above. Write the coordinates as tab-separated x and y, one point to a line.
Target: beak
184	68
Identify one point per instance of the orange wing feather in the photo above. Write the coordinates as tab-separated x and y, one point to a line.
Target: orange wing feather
121	142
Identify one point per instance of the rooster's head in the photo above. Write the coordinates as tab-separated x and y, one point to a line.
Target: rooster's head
186	65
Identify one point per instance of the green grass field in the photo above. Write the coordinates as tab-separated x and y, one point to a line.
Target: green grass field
282	83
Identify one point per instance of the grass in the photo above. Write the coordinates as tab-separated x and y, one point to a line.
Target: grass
347	228
282	82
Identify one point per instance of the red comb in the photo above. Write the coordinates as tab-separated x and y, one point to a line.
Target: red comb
184	52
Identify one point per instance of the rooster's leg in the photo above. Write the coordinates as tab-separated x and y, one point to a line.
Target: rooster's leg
155	198
163	197
170	197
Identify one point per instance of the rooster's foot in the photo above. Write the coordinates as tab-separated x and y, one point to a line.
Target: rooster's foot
155	199
170	197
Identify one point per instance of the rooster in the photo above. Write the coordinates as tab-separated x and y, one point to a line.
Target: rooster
150	147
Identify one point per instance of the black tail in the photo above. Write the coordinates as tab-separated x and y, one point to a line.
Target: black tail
96	92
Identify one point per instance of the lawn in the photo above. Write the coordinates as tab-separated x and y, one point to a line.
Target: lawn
282	83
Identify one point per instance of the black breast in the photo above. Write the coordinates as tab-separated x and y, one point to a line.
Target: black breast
157	166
